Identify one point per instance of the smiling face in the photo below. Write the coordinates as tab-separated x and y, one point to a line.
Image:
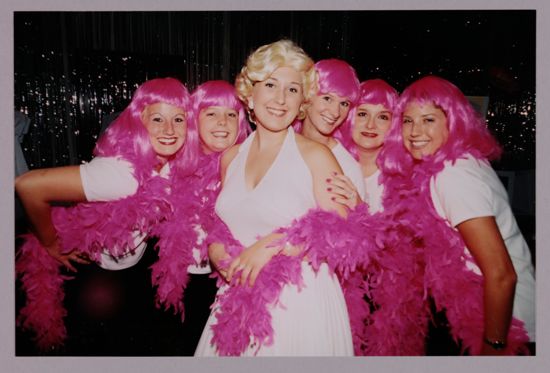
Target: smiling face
370	125
218	128
424	129
326	112
167	128
276	100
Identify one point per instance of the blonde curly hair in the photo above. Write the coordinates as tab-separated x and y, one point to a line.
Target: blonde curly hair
266	59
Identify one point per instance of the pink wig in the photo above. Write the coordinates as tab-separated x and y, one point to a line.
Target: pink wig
468	133
219	93
334	76
337	76
127	137
375	92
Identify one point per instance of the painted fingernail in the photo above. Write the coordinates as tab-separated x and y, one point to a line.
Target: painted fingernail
334	173
329	189
332	198
328	180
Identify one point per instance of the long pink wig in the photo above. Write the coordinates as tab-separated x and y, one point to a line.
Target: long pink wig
468	133
127	137
375	92
219	93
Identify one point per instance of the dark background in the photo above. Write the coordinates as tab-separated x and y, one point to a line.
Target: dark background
73	69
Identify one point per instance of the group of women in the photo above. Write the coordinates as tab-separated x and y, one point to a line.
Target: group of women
330	228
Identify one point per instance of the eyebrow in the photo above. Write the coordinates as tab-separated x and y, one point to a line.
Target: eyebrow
292	82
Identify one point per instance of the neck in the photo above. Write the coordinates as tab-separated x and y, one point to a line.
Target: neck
367	160
309	131
266	139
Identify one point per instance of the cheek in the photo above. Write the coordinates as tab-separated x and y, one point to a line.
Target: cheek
384	127
181	130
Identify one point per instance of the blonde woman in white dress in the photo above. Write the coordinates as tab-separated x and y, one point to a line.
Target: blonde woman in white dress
274	177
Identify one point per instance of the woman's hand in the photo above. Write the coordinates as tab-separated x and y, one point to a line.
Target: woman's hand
217	256
66	258
343	191
251	261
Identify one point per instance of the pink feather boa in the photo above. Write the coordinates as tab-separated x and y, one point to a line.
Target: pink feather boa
90	227
243	316
396	258
426	257
193	200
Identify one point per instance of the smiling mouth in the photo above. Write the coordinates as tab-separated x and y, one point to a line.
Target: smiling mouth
167	141
220	134
418	144
276	112
329	120
369	134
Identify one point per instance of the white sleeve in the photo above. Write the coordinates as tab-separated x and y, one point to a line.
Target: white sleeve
460	194
107	179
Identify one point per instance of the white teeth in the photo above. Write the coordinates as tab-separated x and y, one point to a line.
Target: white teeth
220	134
276	112
170	141
419	143
328	120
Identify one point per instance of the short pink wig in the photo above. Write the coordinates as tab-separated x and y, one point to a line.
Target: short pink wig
334	76
375	92
468	133
127	137
337	76
219	93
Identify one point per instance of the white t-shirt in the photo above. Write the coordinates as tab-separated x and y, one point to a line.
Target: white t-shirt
470	189
351	168
108	179
373	193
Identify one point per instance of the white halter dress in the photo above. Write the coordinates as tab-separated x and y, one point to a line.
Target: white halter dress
314	320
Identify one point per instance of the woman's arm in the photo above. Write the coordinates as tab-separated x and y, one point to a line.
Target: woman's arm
323	166
37	189
484	241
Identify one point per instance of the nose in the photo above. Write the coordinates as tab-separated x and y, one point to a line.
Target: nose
222	120
416	129
168	128
280	96
334	109
370	123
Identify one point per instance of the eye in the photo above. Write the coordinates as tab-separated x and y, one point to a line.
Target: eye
429	120
269	85
179	119
407	120
209	113
232	114
384	117
327	98
345	104
157	119
362	114
293	90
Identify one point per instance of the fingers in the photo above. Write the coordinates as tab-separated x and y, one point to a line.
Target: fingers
244	274
253	276
235	266
67	263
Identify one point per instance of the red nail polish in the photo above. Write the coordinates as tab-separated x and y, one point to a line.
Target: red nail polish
328	180
332	198
329	189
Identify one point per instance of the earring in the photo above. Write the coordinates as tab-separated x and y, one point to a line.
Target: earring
301	114
251	105
251	117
